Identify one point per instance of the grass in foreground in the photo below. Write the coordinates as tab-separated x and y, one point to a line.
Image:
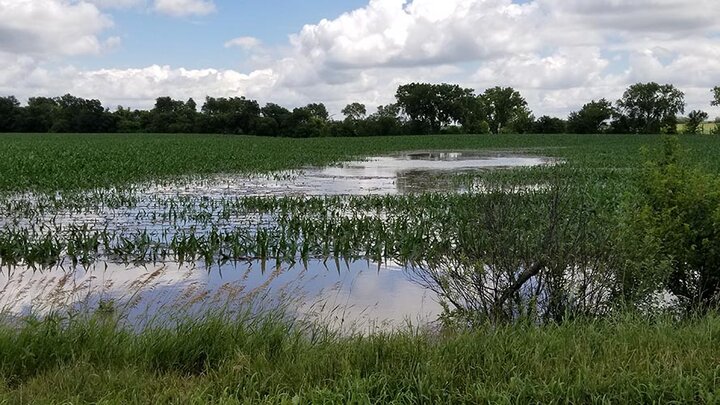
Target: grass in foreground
627	360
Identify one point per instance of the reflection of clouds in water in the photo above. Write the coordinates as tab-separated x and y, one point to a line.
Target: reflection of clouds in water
402	174
26	291
359	293
368	299
377	175
381	174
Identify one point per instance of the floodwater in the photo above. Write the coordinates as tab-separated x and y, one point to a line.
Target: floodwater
356	295
359	296
385	175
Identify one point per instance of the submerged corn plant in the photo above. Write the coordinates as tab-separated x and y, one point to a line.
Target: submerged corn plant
545	243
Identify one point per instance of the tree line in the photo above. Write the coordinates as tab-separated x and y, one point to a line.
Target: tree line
419	108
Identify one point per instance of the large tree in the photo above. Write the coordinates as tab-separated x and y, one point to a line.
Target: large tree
386	121
592	118
274	120
504	105
235	115
309	121
474	119
354	111
651	108
431	107
318	111
39	115
75	114
9	111
354	123
172	116
130	121
548	125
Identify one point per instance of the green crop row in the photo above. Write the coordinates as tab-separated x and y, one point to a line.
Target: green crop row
70	162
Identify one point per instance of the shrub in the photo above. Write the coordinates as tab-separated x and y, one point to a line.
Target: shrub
681	206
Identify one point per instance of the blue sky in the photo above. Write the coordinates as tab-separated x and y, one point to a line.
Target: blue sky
198	41
559	54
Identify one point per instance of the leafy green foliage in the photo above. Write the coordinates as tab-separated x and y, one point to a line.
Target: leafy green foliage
649	108
548	125
504	107
693	126
355	111
9	113
593	118
420	108
75	114
431	107
39	114
683	206
235	115
716	102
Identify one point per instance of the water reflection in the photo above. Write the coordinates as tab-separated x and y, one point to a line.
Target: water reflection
385	175
357	295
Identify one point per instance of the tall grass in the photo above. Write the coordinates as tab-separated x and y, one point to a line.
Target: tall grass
268	359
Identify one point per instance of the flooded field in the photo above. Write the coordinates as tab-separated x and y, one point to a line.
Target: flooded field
386	175
311	238
357	295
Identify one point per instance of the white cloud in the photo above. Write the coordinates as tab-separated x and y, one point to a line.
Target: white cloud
117	4
424	32
184	8
664	17
13	70
140	87
173	8
247	43
565	68
559	53
50	27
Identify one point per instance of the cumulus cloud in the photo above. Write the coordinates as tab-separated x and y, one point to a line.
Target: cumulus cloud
57	27
139	87
565	68
423	32
184	8
558	53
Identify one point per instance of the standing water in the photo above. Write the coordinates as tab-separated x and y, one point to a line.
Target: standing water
359	294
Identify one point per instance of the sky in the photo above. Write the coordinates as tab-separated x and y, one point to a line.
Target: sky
559	54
